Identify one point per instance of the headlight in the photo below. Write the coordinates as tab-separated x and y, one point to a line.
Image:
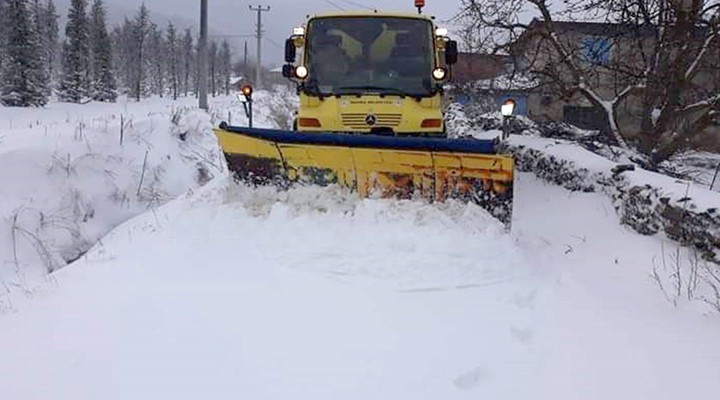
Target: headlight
439	73
441	32
298	31
301	72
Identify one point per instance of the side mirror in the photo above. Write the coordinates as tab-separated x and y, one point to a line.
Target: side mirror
288	71
451	52
290	51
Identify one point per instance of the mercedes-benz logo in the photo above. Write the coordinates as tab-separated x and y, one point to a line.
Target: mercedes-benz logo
370	119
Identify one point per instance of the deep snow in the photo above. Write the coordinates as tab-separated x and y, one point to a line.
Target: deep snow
231	292
239	293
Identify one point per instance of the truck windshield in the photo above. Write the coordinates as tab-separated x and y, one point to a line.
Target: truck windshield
353	55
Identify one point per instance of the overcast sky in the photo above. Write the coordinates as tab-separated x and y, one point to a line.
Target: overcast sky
232	17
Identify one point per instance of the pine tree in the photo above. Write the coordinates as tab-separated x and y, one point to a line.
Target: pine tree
188	56
158	60
213	57
2	35
173	59
75	85
40	23
49	39
124	51
23	82
225	59
103	84
141	28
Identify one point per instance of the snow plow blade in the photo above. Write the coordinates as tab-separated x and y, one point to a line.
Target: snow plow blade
374	166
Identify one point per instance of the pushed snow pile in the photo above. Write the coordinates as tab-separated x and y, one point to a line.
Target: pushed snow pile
233	292
70	173
421	245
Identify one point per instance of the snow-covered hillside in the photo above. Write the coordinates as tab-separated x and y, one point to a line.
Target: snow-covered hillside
233	292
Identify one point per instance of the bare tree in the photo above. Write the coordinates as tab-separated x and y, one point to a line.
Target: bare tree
663	65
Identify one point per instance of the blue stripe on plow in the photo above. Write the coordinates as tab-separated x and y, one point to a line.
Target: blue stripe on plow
474	146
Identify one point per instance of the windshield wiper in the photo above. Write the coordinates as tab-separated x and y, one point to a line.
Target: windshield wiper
382	90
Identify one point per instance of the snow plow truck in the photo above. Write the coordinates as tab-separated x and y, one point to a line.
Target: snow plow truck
370	117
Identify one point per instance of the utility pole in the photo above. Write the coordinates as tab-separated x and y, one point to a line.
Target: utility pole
202	49
258	68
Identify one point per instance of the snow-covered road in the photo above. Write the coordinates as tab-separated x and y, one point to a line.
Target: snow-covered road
236	293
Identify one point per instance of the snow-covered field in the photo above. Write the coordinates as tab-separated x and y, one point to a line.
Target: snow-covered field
230	292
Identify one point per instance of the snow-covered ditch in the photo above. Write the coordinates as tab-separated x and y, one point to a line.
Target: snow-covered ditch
71	173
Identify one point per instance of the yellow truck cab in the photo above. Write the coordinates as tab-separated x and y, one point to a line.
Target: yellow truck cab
370	72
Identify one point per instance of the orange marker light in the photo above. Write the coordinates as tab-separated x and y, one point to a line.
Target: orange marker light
431	123
309	122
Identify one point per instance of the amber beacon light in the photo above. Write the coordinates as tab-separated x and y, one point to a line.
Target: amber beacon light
247	90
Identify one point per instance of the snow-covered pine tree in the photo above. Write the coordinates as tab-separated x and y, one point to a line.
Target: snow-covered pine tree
2	35
213	57
75	85
39	21
157	55
225	57
141	28
123	51
49	39
196	69
103	84
173	58
188	55
23	82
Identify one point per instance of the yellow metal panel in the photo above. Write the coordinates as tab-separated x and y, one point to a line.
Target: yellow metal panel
447	160
347	113
234	143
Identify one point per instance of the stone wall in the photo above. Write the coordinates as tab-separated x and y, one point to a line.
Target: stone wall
644	208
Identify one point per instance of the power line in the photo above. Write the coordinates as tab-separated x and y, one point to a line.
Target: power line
356	4
259	35
335	5
239	35
274	43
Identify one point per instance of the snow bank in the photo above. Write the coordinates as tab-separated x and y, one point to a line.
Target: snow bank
70	173
648	202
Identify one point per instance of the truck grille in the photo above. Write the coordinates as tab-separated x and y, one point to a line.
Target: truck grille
357	120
